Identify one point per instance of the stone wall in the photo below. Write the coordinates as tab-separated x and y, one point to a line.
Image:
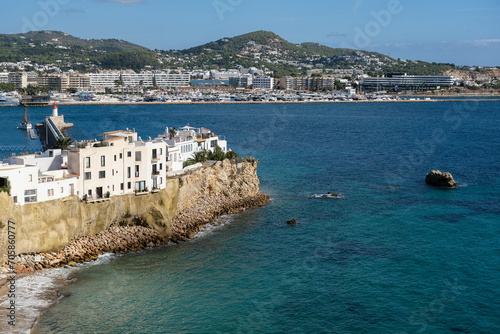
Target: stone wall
176	213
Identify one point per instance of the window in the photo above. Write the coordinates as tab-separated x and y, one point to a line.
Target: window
129	185
30	178
129	154
102	174
121	186
213	143
14	199
30	196
90	192
128	172
87	162
138	156
113	172
161	151
121	155
87	176
115	157
137	171
103	160
161	166
155	154
62	190
50	192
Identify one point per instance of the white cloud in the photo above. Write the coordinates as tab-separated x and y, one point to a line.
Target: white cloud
126	2
481	42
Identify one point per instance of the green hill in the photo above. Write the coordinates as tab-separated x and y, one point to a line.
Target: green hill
46	47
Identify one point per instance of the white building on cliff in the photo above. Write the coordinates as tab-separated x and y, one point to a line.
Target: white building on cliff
120	164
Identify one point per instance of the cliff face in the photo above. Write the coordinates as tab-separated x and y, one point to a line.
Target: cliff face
188	202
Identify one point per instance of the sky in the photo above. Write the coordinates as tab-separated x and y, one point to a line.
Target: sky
462	32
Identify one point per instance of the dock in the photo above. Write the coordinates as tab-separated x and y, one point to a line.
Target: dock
32	134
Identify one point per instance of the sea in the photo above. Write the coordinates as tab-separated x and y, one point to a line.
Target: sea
390	255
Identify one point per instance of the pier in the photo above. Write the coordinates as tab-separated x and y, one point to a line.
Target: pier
52	128
32	134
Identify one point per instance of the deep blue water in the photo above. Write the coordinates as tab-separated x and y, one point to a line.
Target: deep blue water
393	255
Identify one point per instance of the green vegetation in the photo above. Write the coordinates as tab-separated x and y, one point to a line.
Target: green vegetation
217	155
55	47
63	143
260	49
6	188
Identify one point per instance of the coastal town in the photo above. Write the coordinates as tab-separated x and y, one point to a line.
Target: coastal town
121	163
254	67
229	86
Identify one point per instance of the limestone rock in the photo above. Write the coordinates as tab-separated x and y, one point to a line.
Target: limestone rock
436	178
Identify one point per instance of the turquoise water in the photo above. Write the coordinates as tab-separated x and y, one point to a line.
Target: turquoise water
393	255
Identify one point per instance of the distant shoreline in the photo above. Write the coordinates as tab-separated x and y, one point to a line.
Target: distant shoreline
417	99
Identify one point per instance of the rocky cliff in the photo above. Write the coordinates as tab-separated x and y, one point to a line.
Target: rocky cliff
176	213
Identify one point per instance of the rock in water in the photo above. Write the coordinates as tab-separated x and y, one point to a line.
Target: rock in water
436	178
292	222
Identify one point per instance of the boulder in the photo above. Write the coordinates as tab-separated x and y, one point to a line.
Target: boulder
436	178
292	222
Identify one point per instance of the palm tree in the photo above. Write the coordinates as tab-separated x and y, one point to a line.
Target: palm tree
63	143
172	133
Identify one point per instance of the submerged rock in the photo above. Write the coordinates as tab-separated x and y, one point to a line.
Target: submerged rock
292	222
436	178
327	195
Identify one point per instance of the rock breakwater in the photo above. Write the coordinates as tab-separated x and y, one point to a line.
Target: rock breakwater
113	240
68	231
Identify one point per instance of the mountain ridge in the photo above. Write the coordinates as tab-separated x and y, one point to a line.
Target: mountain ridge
260	49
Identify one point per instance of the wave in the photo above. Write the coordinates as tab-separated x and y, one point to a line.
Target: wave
210	228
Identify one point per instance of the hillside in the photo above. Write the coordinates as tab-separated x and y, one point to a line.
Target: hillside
260	49
46	47
264	49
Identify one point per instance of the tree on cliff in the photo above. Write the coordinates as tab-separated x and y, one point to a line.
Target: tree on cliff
63	143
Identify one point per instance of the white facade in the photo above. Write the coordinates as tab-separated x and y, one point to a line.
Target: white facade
18	79
38	177
164	80
4	77
104	80
265	83
138	79
120	164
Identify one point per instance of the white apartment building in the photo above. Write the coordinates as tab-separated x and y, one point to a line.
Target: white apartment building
18	79
138	79
265	83
119	164
38	177
4	77
164	80
104	80
186	142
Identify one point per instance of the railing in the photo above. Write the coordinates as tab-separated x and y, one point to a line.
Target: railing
54	129
7	151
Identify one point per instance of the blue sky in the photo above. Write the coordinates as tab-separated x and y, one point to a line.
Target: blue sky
455	31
